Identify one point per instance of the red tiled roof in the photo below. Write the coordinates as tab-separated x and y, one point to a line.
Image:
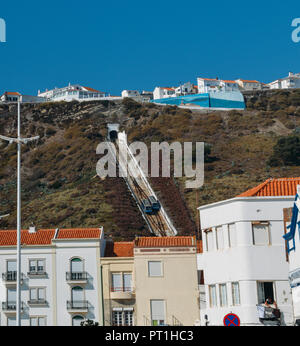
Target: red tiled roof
79	233
41	237
274	187
119	249
199	246
91	89
165	241
171	89
209	79
12	93
249	81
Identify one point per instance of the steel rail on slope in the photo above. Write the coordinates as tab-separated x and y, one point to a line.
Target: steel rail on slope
131	191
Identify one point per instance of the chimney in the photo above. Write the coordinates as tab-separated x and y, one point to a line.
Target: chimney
32	229
217	78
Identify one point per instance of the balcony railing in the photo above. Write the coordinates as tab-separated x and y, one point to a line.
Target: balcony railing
121	289
77	305
37	273
76	276
11	276
11	306
37	302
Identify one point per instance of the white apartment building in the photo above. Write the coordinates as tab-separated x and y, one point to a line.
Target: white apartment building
292	81
292	227
61	280
74	92
244	255
135	94
206	85
249	85
186	89
161	93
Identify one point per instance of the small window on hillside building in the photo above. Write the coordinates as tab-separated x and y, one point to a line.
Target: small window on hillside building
212	296
260	233
265	290
220	238
232	235
209	239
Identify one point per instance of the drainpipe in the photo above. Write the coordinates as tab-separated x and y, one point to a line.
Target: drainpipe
101	283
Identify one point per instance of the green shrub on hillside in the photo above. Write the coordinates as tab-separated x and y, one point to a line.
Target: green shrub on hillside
286	152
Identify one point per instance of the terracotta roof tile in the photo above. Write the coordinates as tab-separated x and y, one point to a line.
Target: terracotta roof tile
91	89
41	237
119	249
79	233
165	241
199	246
274	187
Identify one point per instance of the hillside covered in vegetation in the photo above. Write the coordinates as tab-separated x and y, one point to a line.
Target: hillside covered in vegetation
60	187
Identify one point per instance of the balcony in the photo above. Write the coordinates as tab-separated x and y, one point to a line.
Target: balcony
37	302
36	274
77	277
10	278
122	293
77	306
11	307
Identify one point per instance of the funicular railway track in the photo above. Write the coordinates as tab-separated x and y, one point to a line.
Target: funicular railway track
158	222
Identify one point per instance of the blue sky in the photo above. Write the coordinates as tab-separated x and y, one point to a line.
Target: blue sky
116	45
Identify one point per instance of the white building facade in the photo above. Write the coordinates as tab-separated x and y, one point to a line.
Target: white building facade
244	257
74	92
160	93
206	85
292	81
61	280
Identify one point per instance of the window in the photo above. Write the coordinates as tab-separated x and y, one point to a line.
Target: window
220	238
212	296
38	321
209	239
36	266
154	268
200	275
223	295
11	321
235	293
37	294
117	317
265	290
76	320
78	297
122	317
77	272
157	312
121	282
260	233
232	235
11	267
128	317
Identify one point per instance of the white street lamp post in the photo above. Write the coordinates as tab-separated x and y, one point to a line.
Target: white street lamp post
19	141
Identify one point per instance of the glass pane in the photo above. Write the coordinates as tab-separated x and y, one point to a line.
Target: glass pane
117	282
232	235
213	295
77	294
76	265
127	282
154	268
220	238
34	321
157	310
42	321
261	293
235	293
40	265
209	241
41	293
77	320
11	295
223	295
32	265
260	234
11	266
11	321
117	318
33	294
